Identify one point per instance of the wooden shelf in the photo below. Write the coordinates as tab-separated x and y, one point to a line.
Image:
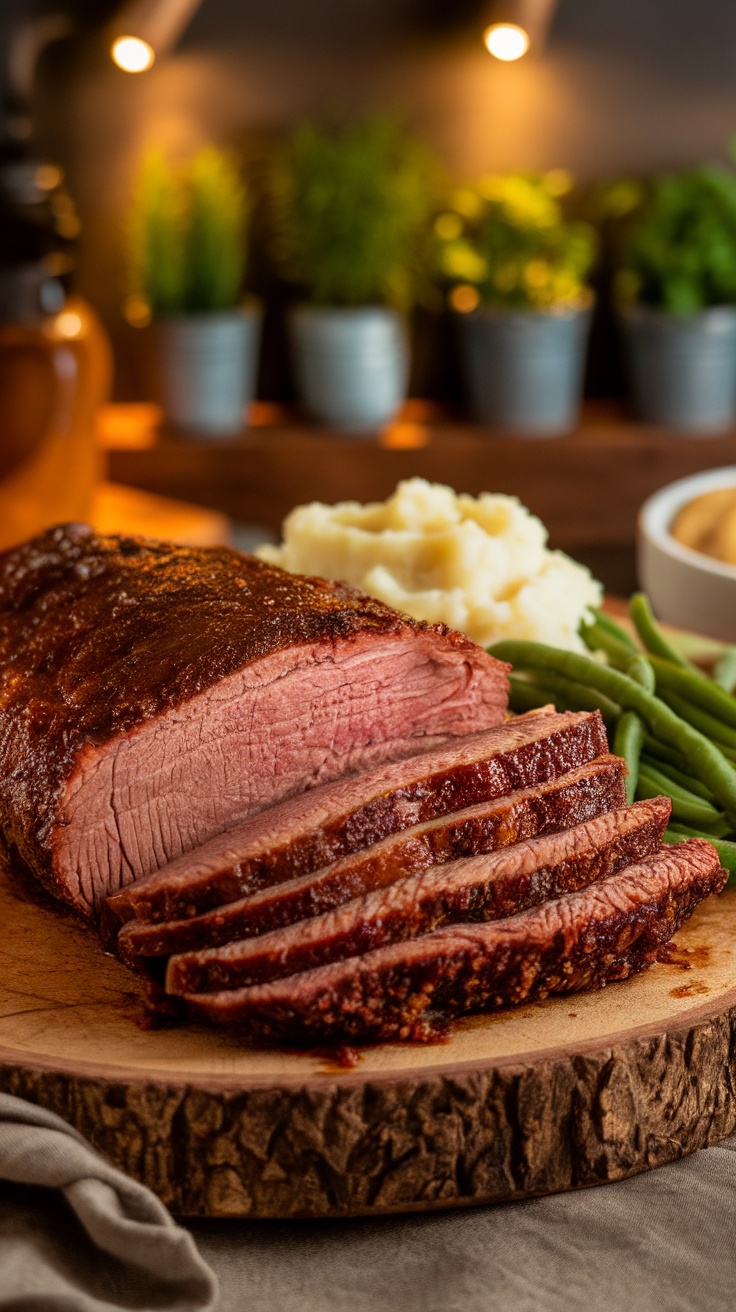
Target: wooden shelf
586	487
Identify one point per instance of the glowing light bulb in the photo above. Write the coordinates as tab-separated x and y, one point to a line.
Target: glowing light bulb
132	54
506	41
69	324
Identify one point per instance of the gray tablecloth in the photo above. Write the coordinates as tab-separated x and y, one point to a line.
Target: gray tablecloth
77	1235
663	1242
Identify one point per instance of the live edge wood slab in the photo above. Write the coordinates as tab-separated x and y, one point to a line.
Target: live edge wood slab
574	1091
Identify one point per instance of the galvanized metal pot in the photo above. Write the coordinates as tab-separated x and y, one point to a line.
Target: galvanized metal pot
206	369
524	368
351	365
683	367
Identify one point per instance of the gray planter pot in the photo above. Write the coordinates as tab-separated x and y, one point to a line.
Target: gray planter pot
524	368
682	368
351	366
206	370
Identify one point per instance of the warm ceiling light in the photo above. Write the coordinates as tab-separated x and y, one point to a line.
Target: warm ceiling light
143	29
132	54
506	41
512	27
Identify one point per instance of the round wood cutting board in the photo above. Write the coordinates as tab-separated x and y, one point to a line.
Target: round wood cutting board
574	1091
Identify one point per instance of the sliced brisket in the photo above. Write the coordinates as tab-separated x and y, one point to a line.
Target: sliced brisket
152	695
577	795
308	832
477	888
608	931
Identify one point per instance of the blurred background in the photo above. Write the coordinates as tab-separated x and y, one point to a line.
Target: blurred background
290	249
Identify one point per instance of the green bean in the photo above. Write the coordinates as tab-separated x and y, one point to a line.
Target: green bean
686	781
704	759
640	669
685	805
672	789
527	696
574	696
726	850
702	808
707	724
627	742
615	630
598	638
658	749
620	651
696	688
650	633
724	670
623	655
663	752
687	831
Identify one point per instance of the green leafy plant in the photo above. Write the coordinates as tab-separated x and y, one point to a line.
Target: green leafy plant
351	212
188	234
677	248
505	242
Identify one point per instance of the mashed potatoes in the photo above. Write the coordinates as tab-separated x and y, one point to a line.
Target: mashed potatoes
479	564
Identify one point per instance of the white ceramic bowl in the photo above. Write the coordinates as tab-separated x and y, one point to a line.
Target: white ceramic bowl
686	588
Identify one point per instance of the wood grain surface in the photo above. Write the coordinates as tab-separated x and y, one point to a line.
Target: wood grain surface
573	1091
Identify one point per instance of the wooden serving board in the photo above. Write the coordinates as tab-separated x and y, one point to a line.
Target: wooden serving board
573	1091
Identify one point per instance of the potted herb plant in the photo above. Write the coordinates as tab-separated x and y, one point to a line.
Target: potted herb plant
517	270
188	237
676	286
351	211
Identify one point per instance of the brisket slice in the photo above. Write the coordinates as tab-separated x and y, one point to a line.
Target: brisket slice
607	931
477	888
309	832
152	695
578	795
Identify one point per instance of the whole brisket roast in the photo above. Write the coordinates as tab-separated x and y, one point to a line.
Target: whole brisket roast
608	931
152	695
299	812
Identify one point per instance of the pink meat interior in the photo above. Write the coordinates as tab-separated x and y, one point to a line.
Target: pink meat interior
272	729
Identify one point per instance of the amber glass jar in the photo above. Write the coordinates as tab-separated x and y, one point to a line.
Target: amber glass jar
55	363
53	377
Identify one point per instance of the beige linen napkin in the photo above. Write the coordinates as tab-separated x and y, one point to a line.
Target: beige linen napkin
77	1235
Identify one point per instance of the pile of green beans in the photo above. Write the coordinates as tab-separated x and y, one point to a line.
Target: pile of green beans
674	726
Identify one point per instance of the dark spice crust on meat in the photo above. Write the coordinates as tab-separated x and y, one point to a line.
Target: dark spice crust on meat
557	743
98	634
400	992
502	884
578	795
